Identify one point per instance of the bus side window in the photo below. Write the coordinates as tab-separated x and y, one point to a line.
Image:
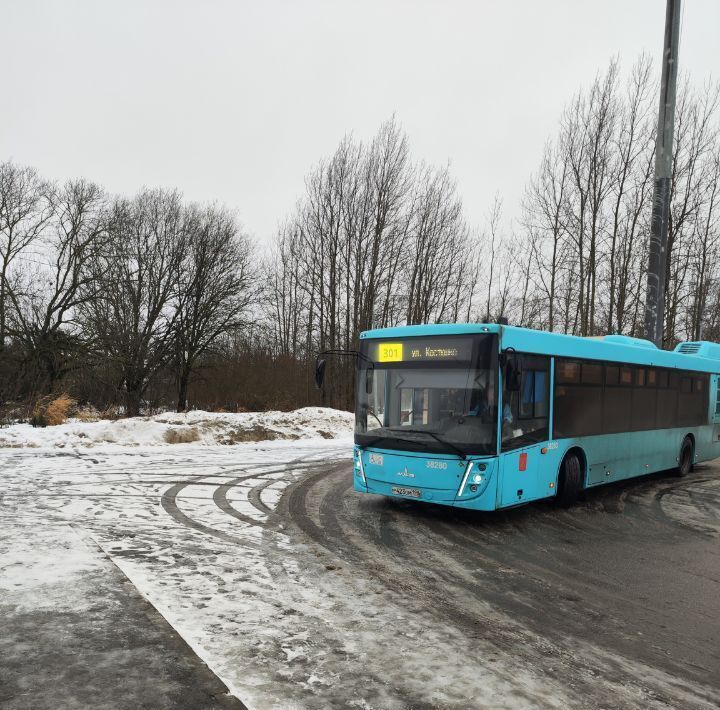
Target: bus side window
644	400
534	399
578	402
667	401
617	399
525	412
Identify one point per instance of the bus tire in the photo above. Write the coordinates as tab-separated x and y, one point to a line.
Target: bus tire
570	480
685	458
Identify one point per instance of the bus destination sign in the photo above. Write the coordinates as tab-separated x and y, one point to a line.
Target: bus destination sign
425	350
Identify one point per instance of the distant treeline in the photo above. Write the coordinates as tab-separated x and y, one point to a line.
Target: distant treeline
150	301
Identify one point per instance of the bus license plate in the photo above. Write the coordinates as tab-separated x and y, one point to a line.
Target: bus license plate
412	492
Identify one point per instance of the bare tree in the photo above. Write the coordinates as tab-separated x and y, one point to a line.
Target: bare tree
133	319
24	213
544	212
48	291
216	288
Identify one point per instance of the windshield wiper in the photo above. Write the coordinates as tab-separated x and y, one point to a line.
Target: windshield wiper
435	436
375	439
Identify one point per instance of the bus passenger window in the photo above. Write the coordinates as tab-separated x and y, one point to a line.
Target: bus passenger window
578	407
567	371
644	402
667	400
591	373
692	400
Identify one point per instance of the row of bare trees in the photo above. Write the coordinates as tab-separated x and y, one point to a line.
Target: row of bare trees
122	289
376	241
151	298
586	214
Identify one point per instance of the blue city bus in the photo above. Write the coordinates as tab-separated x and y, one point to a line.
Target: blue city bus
490	416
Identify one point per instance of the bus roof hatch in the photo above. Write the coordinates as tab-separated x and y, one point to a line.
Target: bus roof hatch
701	348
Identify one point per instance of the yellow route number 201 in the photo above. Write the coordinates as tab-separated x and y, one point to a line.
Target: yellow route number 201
390	352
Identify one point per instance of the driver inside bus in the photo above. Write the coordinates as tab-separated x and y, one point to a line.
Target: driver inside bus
482	404
479	404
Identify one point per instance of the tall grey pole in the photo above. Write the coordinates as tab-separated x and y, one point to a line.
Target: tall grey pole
657	261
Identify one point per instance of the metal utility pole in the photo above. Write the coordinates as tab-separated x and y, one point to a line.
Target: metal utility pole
655	299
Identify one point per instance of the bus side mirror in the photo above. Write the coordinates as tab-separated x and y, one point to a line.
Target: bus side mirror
369	381
320	373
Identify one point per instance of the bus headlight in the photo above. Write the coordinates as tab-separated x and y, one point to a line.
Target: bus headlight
359	468
475	479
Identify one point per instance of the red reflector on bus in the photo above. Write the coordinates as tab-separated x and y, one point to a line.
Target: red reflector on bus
523	462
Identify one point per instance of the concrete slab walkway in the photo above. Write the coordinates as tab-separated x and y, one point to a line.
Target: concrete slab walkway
75	633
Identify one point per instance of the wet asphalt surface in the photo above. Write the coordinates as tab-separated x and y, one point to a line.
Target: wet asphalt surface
305	594
631	570
106	648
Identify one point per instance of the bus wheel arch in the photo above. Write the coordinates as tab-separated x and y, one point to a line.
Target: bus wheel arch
686	455
571	476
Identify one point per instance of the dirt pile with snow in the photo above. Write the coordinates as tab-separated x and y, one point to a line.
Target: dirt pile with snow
197	427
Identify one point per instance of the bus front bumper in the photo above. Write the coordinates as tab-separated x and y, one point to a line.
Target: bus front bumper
445	480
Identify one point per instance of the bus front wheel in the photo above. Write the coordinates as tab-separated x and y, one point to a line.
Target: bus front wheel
570	481
685	459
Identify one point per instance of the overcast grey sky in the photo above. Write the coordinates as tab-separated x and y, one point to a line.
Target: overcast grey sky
236	101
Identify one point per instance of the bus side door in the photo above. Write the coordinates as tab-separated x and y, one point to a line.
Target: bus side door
520	476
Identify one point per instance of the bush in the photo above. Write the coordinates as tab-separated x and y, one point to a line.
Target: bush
52	410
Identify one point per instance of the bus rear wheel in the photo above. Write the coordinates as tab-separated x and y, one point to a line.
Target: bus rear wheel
570	481
685	459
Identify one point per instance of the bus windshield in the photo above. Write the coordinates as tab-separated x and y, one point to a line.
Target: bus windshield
429	393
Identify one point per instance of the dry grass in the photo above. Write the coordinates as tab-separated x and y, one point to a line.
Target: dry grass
88	414
52	410
181	435
256	432
112	413
58	409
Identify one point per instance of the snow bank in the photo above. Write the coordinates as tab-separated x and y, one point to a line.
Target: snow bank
208	428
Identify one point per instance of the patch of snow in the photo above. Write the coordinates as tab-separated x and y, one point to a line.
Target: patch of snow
196	427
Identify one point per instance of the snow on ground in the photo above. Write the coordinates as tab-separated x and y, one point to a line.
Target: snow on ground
208	428
194	527
153	511
197	529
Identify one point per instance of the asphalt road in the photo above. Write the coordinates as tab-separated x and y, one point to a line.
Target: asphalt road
632	572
